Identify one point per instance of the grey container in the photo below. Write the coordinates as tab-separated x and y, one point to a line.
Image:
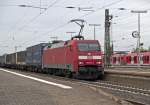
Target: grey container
34	54
2	59
21	58
11	59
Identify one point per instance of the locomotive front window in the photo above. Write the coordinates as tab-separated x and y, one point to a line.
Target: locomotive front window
94	47
88	47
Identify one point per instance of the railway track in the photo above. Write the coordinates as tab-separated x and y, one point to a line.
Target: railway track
129	93
133	94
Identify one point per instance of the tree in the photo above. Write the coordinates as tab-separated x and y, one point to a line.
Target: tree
141	49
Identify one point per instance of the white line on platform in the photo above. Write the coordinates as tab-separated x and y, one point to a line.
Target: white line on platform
39	80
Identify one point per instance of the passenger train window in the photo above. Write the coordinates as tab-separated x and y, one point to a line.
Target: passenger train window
135	58
114	59
146	58
129	58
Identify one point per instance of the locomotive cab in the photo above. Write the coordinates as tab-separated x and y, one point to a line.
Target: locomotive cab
89	59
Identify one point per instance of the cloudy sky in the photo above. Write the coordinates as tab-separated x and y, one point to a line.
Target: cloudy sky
25	26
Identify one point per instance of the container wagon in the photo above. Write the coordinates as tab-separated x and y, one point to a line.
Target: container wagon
2	60
21	60
34	57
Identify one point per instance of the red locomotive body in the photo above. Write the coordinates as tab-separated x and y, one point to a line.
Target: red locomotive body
77	58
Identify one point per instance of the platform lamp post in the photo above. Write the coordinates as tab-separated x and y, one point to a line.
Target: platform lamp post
138	33
94	25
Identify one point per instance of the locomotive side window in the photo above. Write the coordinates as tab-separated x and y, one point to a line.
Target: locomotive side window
88	47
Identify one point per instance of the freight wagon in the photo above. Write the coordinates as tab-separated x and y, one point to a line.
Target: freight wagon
34	57
11	60
16	60
3	60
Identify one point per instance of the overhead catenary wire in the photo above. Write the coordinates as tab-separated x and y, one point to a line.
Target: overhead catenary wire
32	20
38	15
63	25
113	3
17	22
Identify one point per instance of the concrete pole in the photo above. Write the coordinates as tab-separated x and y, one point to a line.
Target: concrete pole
139	38
107	52
139	33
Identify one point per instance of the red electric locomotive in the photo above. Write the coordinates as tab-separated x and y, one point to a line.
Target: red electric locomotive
74	58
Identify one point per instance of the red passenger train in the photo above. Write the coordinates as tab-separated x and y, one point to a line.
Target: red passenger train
78	58
131	59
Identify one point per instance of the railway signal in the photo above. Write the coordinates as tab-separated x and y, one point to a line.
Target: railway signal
107	48
135	34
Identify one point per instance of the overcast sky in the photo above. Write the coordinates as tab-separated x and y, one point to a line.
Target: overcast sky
25	26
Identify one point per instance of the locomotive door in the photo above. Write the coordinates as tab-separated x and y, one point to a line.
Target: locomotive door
69	58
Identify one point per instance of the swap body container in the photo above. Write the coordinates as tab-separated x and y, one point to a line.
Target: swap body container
34	55
2	60
21	58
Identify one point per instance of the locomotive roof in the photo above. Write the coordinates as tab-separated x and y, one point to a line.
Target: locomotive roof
63	43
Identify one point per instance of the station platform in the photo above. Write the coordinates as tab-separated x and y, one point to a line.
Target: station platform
20	88
143	72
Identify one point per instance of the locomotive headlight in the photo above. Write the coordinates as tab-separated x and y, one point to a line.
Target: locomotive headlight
98	62
81	62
